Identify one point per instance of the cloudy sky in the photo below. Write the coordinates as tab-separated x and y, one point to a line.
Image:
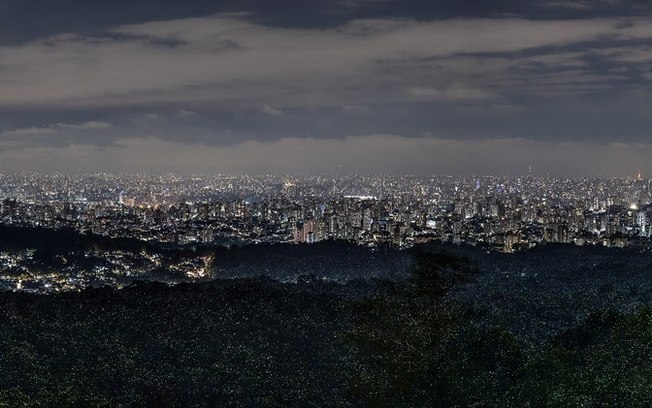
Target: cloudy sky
329	86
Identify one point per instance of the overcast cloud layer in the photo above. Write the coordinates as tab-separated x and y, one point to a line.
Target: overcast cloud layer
350	86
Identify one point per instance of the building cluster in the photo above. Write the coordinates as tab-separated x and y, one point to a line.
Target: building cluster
29	270
506	214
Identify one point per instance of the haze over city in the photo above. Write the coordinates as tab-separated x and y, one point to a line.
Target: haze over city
335	87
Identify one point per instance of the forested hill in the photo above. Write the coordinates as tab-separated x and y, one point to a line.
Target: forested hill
565	327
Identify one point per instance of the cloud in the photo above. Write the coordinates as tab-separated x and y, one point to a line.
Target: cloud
183	113
268	110
52	129
92	125
30	131
459	79
579	5
567	4
356	108
357	63
148	117
360	154
452	93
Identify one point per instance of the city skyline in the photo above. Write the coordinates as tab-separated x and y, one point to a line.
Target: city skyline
342	87
201	214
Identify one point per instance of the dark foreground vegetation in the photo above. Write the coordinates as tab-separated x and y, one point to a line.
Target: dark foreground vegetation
558	327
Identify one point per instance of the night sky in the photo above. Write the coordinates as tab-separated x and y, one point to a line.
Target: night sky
331	86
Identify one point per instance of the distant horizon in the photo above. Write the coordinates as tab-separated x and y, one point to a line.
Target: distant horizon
632	177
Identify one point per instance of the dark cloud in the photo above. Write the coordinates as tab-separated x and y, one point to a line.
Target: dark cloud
22	20
251	83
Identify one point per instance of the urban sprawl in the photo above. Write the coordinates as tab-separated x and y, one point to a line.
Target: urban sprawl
500	213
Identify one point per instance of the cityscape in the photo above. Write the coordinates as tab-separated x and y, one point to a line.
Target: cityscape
494	214
498	213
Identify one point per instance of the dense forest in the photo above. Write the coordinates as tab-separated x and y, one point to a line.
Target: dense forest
445	326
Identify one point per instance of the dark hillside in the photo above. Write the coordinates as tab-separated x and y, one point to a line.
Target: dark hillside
461	329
